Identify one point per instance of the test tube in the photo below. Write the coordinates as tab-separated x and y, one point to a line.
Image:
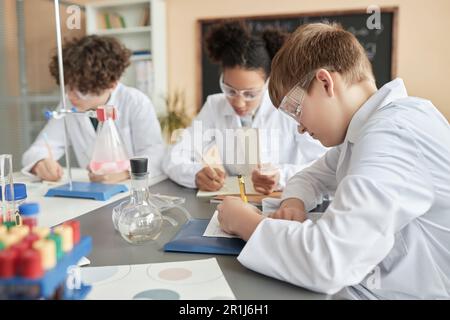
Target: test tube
8	208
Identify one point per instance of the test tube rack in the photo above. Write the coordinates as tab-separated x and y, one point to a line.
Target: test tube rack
55	277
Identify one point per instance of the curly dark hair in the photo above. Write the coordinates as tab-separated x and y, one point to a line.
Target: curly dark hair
92	64
232	43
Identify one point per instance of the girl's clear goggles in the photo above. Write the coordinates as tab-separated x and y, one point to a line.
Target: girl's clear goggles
247	95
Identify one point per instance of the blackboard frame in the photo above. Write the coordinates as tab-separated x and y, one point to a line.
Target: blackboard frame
199	52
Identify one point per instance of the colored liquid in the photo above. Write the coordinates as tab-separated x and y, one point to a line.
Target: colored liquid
109	167
30	222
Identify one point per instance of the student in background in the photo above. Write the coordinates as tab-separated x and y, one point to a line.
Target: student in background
93	66
386	235
245	60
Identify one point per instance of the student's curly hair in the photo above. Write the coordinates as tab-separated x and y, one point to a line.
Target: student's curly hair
92	64
232	44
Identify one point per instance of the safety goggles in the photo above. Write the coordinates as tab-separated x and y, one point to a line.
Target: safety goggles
247	95
291	105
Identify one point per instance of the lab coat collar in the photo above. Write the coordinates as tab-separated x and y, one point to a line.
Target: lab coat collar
112	99
390	92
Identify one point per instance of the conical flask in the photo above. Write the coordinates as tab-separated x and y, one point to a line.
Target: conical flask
109	154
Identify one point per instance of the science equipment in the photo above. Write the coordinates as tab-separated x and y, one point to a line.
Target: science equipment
86	190
8	203
138	220
109	154
33	267
29	213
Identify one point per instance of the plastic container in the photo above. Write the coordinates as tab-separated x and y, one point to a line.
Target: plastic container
20	193
29	213
109	154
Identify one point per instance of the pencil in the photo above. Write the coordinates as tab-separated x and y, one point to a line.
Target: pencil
242	188
206	164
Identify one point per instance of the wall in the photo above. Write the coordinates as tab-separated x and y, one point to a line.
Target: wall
40	42
9	78
423	41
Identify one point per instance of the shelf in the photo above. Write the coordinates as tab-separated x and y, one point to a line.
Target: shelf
141	57
115	3
120	31
146	25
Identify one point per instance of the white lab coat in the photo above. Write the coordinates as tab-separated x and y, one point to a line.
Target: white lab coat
136	122
387	232
280	143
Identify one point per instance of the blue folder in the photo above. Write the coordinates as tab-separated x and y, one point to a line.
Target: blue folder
190	239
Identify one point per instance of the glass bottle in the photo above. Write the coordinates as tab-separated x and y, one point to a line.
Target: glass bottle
138	220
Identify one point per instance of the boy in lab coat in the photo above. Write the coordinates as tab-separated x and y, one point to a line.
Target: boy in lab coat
386	235
93	66
244	104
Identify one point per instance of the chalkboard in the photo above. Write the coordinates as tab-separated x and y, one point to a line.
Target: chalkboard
380	44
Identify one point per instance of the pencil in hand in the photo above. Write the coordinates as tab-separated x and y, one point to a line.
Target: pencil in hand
242	188
216	177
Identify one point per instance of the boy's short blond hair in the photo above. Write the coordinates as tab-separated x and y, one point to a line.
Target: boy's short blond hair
315	46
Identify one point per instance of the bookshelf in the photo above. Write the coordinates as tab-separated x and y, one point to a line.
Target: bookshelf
141	26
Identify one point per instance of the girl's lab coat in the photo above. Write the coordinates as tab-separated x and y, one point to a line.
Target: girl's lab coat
387	232
280	144
136	122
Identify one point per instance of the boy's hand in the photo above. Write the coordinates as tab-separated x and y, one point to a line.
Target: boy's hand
48	169
264	183
291	209
109	178
210	179
237	217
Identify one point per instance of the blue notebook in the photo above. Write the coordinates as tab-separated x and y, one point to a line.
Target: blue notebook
190	239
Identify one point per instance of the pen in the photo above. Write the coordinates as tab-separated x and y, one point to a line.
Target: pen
242	188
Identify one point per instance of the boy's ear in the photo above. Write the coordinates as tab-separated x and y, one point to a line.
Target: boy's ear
326	81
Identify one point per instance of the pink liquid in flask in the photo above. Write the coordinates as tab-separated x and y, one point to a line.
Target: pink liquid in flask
106	167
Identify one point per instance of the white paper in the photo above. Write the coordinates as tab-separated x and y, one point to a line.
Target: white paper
247	153
231	187
183	280
56	210
270	205
83	262
213	229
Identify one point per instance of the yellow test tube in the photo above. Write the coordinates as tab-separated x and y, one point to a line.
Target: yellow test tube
47	250
66	234
3	229
42	232
22	231
9	239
